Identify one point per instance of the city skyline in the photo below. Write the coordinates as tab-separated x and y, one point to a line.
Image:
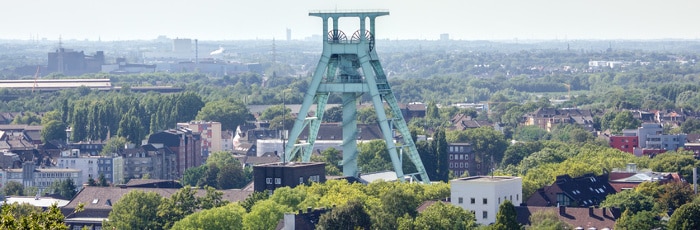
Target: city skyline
462	20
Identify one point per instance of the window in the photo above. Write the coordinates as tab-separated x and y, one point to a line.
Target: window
563	200
460	200
268	180
301	180
473	201
499	200
517	197
278	180
485	201
485	215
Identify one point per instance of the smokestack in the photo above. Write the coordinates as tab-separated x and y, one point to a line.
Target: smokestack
196	53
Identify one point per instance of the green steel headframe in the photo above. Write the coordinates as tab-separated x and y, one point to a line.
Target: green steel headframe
350	67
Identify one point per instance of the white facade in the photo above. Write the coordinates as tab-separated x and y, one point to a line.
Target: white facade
41	178
482	195
89	166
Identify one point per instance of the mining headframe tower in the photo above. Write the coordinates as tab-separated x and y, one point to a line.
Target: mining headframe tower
350	66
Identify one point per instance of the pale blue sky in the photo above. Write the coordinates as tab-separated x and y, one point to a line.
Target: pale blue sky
409	19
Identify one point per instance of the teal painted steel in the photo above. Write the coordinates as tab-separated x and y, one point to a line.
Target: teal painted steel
352	68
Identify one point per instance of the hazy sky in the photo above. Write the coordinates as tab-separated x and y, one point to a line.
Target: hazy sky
409	19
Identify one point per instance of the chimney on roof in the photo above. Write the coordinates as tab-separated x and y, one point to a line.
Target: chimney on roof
590	211
562	210
605	212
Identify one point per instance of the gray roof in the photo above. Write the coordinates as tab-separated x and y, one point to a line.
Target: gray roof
99	201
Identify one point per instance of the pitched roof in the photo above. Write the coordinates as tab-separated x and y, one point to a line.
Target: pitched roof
578	217
99	201
584	191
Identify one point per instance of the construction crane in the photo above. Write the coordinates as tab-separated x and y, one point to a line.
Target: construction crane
36	77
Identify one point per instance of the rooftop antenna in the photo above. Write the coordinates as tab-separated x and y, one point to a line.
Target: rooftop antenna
350	67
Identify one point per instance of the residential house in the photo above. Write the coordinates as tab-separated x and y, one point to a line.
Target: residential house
548	118
584	191
482	195
98	202
579	217
463	122
413	110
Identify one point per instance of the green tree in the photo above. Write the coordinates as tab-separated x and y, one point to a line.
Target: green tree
231	176
629	200
373	157
394	204
685	217
264	215
624	120
691	126
350	216
441	147
231	113
66	188
102	181
251	200
506	218
13	188
531	133
212	199
638	220
180	204
193	175
15	216
131	128
220	218
27	118
114	145
135	210
333	114
445	216
53	130
675	194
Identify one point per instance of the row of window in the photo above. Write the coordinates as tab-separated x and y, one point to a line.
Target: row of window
456	149
472	200
459	156
314	178
461	165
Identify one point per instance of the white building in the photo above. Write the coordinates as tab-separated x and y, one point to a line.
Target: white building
89	166
41	178
482	195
